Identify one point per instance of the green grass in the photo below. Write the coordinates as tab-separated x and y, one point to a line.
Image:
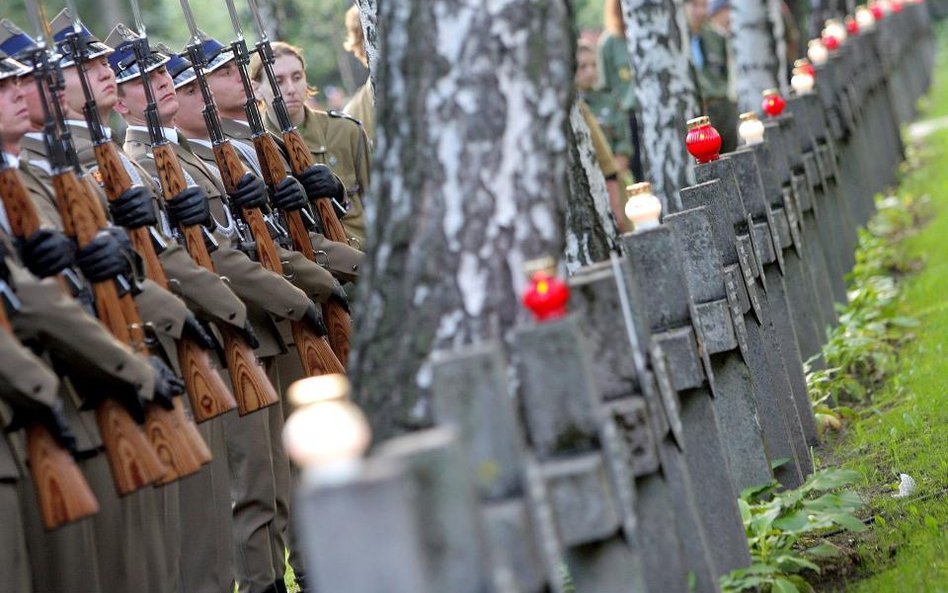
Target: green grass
905	428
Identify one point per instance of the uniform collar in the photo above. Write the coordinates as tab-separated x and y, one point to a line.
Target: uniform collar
81	124
171	134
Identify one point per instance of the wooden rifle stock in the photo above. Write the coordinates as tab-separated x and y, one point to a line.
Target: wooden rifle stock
62	493
209	395
173	444
315	353
189	450
300	158
251	385
133	462
338	324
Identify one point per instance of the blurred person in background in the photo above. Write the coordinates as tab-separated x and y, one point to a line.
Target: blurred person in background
617	77
362	104
585	79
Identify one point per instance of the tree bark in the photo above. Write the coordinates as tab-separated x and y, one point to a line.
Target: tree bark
469	181
369	11
755	52
666	90
591	231
779	29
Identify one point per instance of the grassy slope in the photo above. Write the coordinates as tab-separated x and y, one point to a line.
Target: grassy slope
905	430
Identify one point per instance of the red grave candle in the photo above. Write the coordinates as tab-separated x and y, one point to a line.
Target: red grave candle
703	141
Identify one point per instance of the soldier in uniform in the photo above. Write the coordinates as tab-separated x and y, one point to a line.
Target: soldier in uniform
126	534
202	562
714	77
249	440
334	138
223	78
361	106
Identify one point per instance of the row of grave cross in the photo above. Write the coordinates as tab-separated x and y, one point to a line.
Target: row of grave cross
675	380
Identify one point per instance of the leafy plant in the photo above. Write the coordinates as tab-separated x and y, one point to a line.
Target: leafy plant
862	350
778	523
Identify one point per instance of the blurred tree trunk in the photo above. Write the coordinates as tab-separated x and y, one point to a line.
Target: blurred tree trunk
665	86
591	231
779	29
468	182
369	10
755	52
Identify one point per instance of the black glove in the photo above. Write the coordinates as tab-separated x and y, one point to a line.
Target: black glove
289	195
133	209
189	207
103	258
47	252
320	182
315	319
339	295
167	384
50	417
194	329
4	270
250	336
251	192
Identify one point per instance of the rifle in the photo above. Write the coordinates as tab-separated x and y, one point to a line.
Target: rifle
62	493
209	395
175	450
314	351
335	316
251	385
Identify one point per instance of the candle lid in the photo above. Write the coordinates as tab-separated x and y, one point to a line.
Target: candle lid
637	189
699	121
543	264
749	116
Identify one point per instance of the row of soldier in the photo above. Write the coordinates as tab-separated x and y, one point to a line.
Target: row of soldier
212	246
613	436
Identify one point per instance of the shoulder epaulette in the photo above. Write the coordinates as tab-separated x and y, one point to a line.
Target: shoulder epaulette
343	114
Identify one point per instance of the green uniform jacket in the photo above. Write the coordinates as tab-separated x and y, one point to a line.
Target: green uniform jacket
317	282
202	290
260	289
340	259
156	305
713	77
613	121
615	71
339	142
93	357
362	107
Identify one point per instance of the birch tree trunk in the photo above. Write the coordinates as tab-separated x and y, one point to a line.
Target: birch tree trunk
469	181
775	10
665	88
591	231
369	11
755	52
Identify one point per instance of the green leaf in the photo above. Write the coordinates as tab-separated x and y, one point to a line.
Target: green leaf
780	461
784	586
831	478
793	522
745	510
795	563
848	521
824	550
